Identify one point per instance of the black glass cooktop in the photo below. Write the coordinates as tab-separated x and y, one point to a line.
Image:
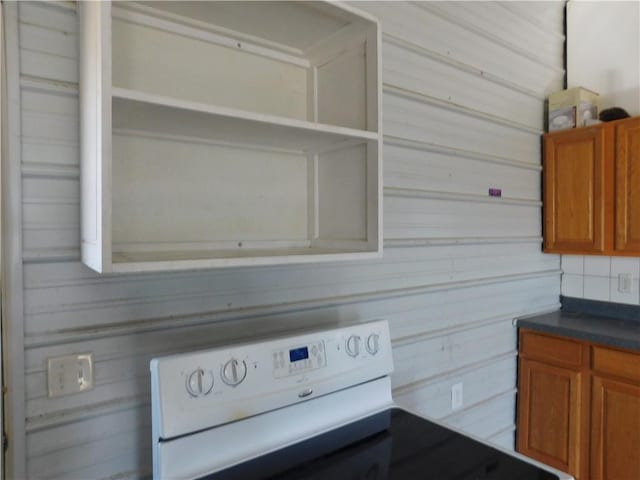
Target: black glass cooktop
393	445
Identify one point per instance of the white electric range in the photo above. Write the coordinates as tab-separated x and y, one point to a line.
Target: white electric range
311	406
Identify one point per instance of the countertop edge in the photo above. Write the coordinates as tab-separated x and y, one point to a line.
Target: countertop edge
579	335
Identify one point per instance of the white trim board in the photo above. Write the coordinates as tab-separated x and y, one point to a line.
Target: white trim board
12	272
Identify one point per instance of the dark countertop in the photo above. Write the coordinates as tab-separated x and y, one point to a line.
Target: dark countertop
583	326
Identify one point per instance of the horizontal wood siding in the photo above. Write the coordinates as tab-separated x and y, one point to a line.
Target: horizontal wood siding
464	88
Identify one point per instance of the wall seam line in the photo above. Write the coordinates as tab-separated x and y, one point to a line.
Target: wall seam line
458	108
44	338
485	401
487	35
427	53
425	382
540	26
457	152
403	192
347	298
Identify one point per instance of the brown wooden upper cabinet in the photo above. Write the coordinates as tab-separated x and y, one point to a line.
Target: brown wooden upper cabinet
592	189
627	205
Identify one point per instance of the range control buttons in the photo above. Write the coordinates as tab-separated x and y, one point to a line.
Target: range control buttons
234	372
355	346
373	343
352	346
199	382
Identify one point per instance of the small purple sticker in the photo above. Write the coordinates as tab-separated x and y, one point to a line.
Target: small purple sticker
495	192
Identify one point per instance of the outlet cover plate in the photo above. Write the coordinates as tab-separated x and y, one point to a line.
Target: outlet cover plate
624	282
456	396
69	374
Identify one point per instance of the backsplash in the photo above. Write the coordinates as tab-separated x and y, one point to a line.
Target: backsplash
598	278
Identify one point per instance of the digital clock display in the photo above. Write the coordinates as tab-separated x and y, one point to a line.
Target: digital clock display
296	354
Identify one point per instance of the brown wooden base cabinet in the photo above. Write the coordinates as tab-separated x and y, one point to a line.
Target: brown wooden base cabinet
579	407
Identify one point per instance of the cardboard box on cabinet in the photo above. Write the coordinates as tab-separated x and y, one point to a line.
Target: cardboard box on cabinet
575	107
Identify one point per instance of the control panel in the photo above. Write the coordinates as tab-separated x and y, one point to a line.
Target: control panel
201	389
298	359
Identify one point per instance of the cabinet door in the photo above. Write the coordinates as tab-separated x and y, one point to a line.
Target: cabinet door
574	189
615	430
628	187
549	413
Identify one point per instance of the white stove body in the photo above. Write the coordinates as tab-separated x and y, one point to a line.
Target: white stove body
219	408
324	379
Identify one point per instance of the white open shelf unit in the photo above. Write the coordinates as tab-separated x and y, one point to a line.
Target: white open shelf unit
228	133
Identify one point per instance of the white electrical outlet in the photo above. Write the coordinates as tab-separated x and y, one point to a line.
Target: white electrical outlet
456	396
624	282
70	374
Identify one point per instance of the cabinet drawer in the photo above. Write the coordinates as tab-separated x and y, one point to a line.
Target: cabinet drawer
551	349
616	362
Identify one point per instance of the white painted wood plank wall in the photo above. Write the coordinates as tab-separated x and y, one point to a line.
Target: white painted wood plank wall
463	109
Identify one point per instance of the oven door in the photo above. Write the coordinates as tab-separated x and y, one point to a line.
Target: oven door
393	444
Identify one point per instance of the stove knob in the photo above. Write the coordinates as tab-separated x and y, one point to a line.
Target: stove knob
199	383
373	344
233	372
353	345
